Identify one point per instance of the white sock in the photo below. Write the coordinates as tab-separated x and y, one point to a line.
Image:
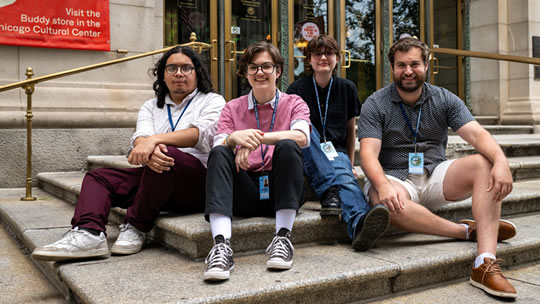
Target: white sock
285	219
466	231
480	258
220	224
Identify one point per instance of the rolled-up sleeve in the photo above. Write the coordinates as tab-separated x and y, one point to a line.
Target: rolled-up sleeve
207	122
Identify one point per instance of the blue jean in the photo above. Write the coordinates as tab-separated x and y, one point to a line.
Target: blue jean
323	173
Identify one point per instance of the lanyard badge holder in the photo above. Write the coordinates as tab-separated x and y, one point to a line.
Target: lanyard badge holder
326	146
173	126
416	159
264	180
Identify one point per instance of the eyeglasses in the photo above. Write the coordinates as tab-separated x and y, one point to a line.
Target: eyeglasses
185	69
318	55
267	68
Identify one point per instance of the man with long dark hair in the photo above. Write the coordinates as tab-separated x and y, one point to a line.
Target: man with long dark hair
172	140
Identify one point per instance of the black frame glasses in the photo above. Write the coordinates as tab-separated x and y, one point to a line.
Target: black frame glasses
267	68
185	69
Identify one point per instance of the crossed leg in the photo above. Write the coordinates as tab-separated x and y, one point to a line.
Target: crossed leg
466	175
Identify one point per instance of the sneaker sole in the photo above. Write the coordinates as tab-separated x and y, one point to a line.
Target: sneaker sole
64	256
499	238
125	251
375	224
330	211
279	265
491	291
217	276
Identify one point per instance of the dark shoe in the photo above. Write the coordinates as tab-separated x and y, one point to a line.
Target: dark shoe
507	230
281	251
331	202
489	278
219	260
372	227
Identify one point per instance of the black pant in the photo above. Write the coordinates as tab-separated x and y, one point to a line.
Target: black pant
230	193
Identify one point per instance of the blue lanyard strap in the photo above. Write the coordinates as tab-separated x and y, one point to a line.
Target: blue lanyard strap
323	121
173	127
271	124
415	133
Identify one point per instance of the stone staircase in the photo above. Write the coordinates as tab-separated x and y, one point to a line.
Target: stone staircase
326	269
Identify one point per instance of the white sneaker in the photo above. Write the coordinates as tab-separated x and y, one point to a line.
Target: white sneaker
75	244
129	241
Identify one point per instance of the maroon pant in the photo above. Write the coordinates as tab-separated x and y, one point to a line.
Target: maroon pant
143	192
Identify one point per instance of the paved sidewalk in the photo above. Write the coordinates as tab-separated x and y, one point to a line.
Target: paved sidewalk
525	279
20	281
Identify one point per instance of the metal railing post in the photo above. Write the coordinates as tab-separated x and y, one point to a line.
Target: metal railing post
29	90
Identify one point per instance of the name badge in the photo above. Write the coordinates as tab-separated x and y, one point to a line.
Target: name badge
329	150
416	163
264	187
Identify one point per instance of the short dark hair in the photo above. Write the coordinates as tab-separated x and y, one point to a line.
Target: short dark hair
404	45
204	84
319	43
258	47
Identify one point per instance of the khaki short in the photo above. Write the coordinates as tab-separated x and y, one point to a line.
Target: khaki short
423	190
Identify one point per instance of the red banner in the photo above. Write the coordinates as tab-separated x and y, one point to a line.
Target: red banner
68	24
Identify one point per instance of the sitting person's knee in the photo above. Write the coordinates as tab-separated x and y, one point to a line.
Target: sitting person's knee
287	144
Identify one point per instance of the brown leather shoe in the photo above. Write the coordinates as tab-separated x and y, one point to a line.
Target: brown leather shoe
489	277
507	230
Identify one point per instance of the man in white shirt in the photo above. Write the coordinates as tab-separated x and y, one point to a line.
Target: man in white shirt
172	140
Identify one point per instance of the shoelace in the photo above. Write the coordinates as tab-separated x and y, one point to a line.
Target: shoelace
68	237
280	247
129	233
219	256
493	268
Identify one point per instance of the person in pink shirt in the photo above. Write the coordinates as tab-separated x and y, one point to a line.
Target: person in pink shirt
255	167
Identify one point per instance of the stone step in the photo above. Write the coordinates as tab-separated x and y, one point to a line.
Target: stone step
525	167
524	278
487	120
504	129
191	234
513	145
331	273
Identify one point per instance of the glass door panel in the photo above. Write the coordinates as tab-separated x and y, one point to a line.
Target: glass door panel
405	18
310	20
445	35
183	17
360	42
249	21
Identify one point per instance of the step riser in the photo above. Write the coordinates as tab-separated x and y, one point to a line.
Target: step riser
457	151
306	229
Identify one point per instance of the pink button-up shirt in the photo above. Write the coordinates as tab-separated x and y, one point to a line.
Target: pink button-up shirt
238	114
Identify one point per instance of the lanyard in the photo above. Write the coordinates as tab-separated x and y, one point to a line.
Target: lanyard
271	124
173	127
323	121
415	133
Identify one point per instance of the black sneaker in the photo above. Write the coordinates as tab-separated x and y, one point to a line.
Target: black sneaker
372	227
281	251
220	261
331	202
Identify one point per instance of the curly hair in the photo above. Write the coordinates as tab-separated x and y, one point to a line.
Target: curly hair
204	83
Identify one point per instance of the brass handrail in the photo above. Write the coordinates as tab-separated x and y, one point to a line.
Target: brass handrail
29	86
484	55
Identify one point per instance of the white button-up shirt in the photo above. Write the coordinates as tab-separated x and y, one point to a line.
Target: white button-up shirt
202	113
